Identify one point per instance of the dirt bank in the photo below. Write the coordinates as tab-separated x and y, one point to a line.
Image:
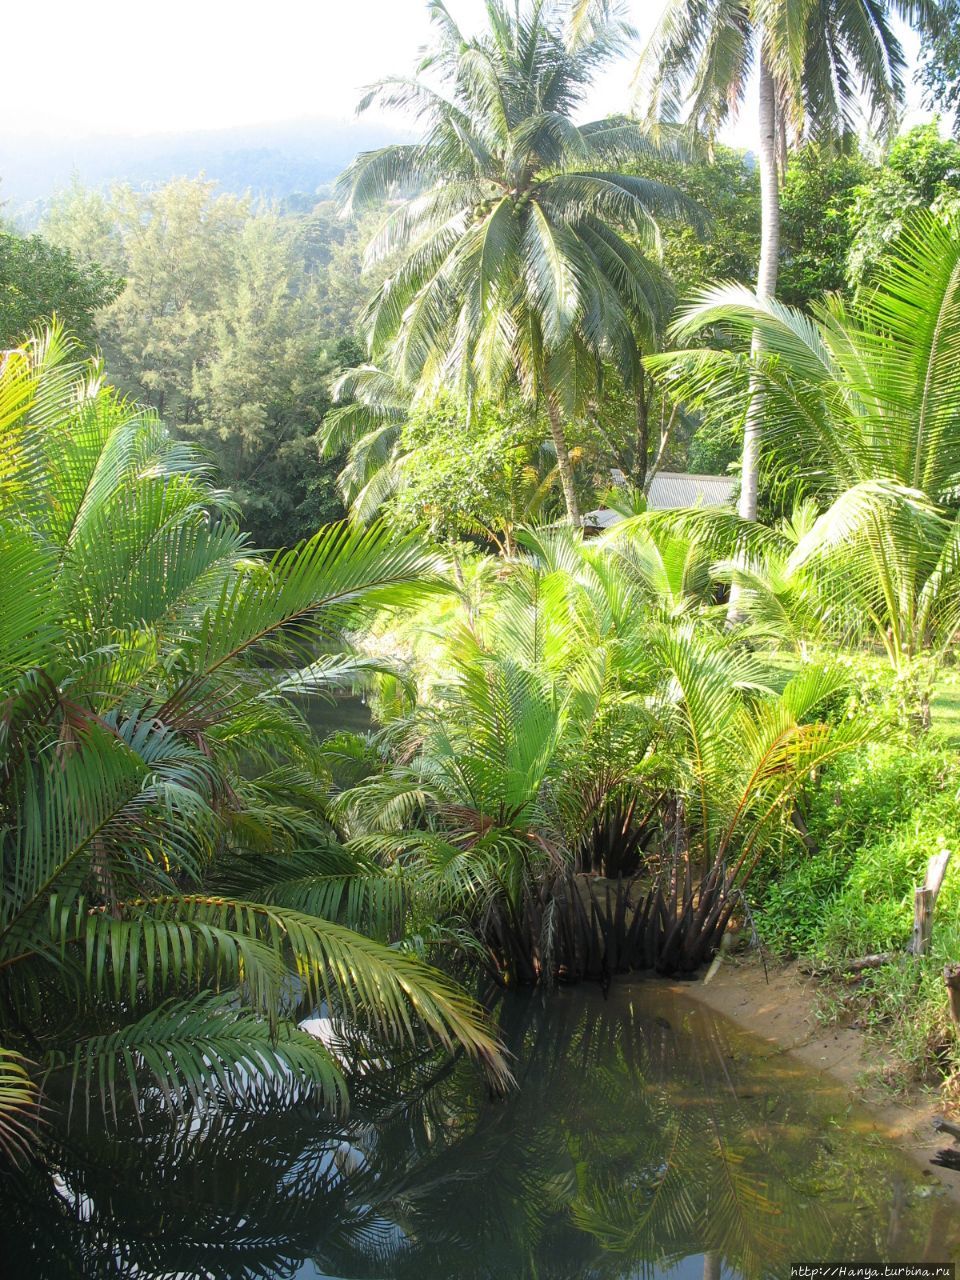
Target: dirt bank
779	1006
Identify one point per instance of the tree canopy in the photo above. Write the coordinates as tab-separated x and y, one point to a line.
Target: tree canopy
40	282
516	266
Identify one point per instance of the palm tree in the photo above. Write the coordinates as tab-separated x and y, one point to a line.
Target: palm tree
524	258
862	402
367	426
589	682
819	66
368	429
165	852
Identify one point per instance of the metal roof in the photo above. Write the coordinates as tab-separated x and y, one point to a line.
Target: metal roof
670	490
602	518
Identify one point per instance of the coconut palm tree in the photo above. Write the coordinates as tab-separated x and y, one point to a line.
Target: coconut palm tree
165	849
524	256
862	402
820	67
366	426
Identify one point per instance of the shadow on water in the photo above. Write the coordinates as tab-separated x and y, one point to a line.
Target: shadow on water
347	713
648	1138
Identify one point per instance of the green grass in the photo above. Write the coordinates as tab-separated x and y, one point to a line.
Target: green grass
945	708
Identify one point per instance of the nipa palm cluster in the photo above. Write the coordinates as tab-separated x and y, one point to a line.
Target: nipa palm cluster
166	917
588	713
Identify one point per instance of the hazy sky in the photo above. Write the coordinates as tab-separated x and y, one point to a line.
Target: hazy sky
132	66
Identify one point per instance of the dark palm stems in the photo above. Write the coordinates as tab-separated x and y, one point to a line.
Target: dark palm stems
524	257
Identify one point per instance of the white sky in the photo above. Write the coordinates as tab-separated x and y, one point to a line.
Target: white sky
135	67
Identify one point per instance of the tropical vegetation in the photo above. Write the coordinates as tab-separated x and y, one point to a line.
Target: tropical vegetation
358	677
169	869
819	70
527	260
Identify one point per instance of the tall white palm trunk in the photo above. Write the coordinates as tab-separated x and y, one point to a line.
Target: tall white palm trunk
766	277
766	288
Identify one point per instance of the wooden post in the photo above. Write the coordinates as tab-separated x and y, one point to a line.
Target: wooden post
922	922
951	977
924	901
936	870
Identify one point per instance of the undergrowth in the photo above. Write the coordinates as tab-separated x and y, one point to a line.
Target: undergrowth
873	825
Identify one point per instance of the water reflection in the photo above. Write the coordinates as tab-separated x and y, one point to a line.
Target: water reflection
647	1138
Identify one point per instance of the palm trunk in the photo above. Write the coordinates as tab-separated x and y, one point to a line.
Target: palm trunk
564	465
766	278
643	437
766	288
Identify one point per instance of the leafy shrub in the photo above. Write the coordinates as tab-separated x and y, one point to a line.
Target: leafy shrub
876	821
790	917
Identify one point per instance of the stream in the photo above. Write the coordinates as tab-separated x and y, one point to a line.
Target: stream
648	1137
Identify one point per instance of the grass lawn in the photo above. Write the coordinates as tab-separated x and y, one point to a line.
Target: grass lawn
945	707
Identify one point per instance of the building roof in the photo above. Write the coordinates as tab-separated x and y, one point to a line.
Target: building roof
669	491
602	518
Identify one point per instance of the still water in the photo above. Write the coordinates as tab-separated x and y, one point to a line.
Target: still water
647	1138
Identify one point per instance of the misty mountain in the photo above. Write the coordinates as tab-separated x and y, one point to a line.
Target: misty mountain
270	161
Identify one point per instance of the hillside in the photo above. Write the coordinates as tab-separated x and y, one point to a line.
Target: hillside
272	160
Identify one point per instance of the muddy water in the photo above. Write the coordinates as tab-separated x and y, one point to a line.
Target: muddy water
648	1137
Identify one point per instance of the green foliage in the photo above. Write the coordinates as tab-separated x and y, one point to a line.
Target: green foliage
39	281
939	71
528	258
815	237
860	404
877	819
819	211
472	469
574	679
921	171
232	324
364	430
156	771
725	245
19	1105
265	386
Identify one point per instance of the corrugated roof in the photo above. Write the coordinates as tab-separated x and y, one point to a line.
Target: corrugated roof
602	518
670	490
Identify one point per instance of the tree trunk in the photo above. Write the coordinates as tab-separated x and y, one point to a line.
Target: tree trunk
766	288
666	431
643	438
766	278
564	465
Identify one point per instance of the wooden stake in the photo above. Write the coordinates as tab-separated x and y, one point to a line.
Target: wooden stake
936	870
924	901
